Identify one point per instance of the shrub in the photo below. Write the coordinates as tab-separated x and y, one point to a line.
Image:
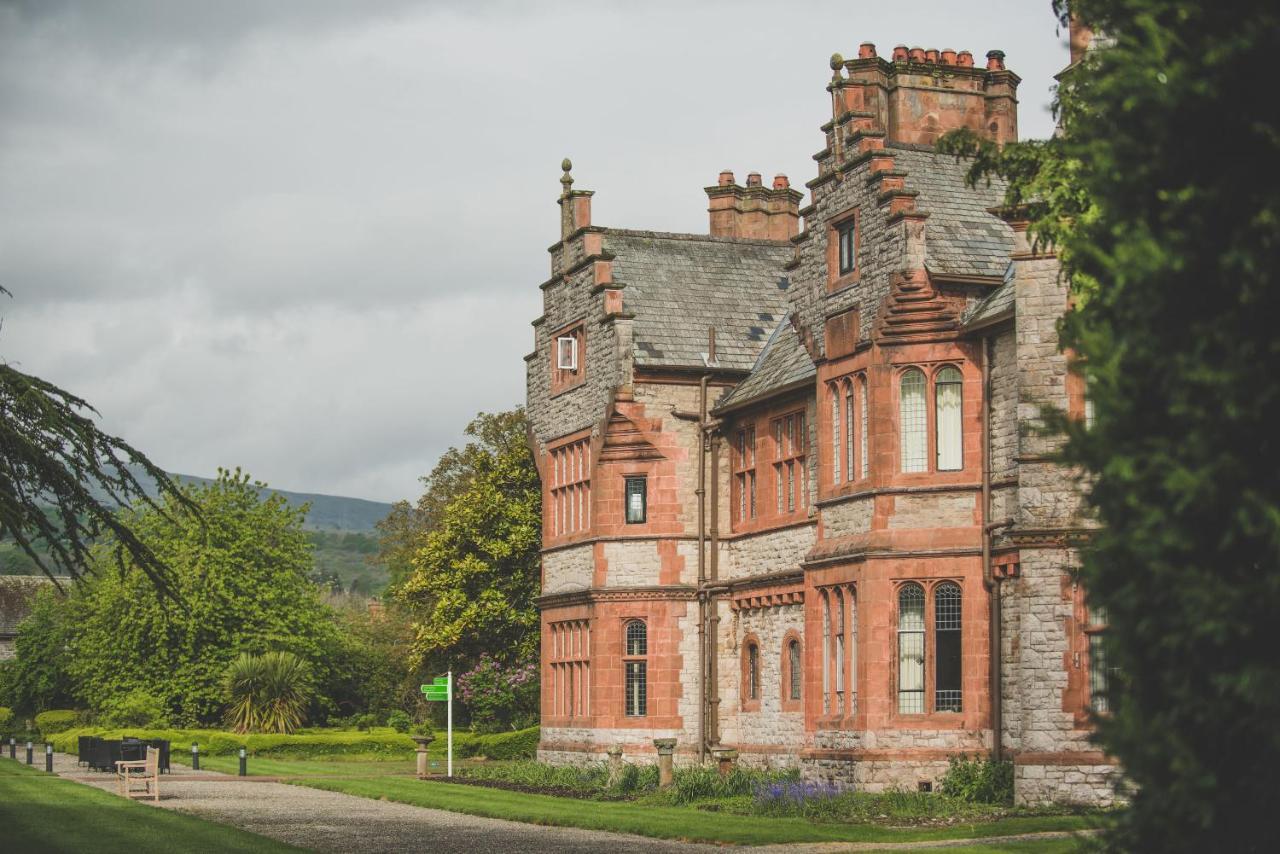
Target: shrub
500	697
979	781
57	720
539	775
135	709
399	720
267	693
311	745
6	720
521	744
703	782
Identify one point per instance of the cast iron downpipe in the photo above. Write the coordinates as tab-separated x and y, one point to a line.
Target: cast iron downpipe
989	580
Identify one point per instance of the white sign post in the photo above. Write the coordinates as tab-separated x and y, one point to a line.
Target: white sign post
441	689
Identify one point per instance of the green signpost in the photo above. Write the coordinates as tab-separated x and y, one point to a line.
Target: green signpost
441	690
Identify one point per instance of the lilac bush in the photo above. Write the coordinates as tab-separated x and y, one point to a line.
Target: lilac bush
500	696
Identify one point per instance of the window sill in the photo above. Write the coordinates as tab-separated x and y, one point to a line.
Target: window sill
842	283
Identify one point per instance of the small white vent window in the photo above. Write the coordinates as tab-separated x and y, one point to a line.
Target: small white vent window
567	353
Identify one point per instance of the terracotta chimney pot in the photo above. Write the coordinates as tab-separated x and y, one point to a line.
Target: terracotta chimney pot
753	179
964	59
866	50
781	182
948	56
900	53
726	178
931	55
995	60
917	54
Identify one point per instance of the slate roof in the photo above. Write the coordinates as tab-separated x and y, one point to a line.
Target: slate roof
677	285
782	362
17	594
962	239
994	306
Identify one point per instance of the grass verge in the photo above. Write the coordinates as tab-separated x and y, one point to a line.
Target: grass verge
42	812
672	822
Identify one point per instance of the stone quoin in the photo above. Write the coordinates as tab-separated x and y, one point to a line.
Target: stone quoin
793	504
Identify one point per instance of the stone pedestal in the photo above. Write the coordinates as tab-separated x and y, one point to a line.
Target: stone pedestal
666	750
615	765
726	760
422	741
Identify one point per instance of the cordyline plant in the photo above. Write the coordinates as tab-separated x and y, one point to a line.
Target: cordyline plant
267	693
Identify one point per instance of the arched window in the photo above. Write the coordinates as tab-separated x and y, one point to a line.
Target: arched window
947	394
848	430
839	653
912	420
863	460
636	668
946	642
911	649
795	670
837	442
753	671
826	652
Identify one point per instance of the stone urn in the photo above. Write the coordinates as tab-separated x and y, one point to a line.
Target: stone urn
422	741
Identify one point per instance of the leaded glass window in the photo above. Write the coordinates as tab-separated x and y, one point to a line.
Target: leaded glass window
948	394
912	419
946	624
911	649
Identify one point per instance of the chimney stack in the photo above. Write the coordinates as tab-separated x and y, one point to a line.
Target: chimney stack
754	211
920	93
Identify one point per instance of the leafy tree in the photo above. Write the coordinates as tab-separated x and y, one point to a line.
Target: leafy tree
370	672
471	546
61	480
37	678
242	575
1156	197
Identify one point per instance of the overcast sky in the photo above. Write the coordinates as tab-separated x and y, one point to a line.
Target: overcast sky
305	238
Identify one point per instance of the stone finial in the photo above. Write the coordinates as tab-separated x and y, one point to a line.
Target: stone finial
753	179
995	60
566	180
781	182
837	63
900	53
726	178
866	50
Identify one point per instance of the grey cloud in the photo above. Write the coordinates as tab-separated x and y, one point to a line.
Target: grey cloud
305	237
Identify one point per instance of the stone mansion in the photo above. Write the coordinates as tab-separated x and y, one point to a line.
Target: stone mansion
794	504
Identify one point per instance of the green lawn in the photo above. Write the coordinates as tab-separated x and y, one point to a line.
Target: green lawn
288	768
668	822
42	812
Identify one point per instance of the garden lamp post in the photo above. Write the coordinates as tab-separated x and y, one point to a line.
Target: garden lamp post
29	753
244	770
48	757
195	756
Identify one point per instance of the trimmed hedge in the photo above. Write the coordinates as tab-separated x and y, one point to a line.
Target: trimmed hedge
57	720
520	744
304	745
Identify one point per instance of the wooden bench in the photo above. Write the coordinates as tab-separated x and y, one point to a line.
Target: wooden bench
145	771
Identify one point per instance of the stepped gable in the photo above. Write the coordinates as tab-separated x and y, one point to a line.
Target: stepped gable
962	238
676	286
784	363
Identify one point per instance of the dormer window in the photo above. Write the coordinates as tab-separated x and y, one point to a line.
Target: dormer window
847	233
842	250
568	357
567	353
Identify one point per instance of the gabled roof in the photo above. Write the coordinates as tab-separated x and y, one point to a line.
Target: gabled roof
783	363
678	285
961	237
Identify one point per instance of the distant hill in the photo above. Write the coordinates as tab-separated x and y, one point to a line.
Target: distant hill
328	512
